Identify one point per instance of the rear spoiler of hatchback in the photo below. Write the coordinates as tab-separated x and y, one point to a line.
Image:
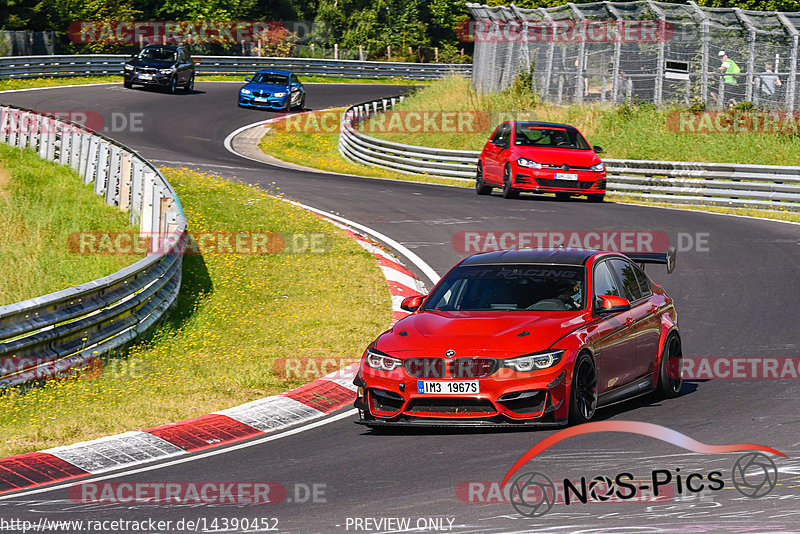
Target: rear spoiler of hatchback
664	258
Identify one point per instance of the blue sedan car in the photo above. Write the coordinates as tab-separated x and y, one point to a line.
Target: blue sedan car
273	89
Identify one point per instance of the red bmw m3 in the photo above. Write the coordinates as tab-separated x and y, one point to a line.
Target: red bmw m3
540	157
525	336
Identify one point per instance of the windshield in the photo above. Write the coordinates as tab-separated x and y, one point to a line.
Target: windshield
531	134
510	288
270	78
157	54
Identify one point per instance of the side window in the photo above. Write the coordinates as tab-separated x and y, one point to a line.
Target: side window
498	134
644	283
505	133
604	283
294	79
626	274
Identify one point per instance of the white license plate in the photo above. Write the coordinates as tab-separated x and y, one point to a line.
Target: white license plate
448	387
145	76
565	176
260	99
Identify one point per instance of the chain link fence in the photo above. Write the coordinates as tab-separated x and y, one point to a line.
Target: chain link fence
645	51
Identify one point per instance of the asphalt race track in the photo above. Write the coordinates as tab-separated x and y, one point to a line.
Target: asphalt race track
737	297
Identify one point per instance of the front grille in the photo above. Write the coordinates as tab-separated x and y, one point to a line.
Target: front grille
261	94
561	167
472	367
522	179
565	184
425	367
454	405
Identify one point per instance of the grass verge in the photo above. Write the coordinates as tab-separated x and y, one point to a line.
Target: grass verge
320	151
41	205
624	131
236	315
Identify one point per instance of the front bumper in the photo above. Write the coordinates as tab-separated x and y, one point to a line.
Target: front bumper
545	181
158	79
268	103
506	398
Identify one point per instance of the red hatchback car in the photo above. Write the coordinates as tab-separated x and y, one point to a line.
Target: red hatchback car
525	336
540	157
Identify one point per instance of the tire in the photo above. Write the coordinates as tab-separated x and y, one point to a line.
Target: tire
173	85
302	105
480	185
669	378
189	87
127	85
596	197
508	189
563	196
583	393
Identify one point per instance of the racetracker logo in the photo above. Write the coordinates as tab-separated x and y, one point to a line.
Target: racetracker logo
736	368
733	122
565	31
204	493
533	494
17	121
619	241
197	243
190	31
390	122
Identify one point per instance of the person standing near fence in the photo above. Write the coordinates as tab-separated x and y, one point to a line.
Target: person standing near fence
768	82
731	84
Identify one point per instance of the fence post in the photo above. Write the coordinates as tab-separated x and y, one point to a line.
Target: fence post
125	182
705	36
113	175
101	168
579	75
90	169
659	88
791	86
137	185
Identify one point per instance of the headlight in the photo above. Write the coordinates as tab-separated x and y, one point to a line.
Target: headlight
279	94
166	71
381	361
128	67
600	167
522	162
245	91
531	362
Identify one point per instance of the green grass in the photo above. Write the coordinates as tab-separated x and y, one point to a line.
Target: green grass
41	205
236	315
624	131
319	149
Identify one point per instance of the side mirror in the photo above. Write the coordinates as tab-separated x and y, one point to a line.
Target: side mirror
613	304
597	149
501	144
247	79
412	303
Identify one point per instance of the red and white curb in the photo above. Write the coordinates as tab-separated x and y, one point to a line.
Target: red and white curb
307	402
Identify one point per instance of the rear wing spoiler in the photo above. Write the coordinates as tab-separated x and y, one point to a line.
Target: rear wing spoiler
664	258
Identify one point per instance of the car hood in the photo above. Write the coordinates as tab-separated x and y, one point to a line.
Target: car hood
268	87
151	63
432	333
559	156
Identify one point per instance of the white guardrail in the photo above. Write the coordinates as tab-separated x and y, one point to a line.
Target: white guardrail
111	64
49	335
723	184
